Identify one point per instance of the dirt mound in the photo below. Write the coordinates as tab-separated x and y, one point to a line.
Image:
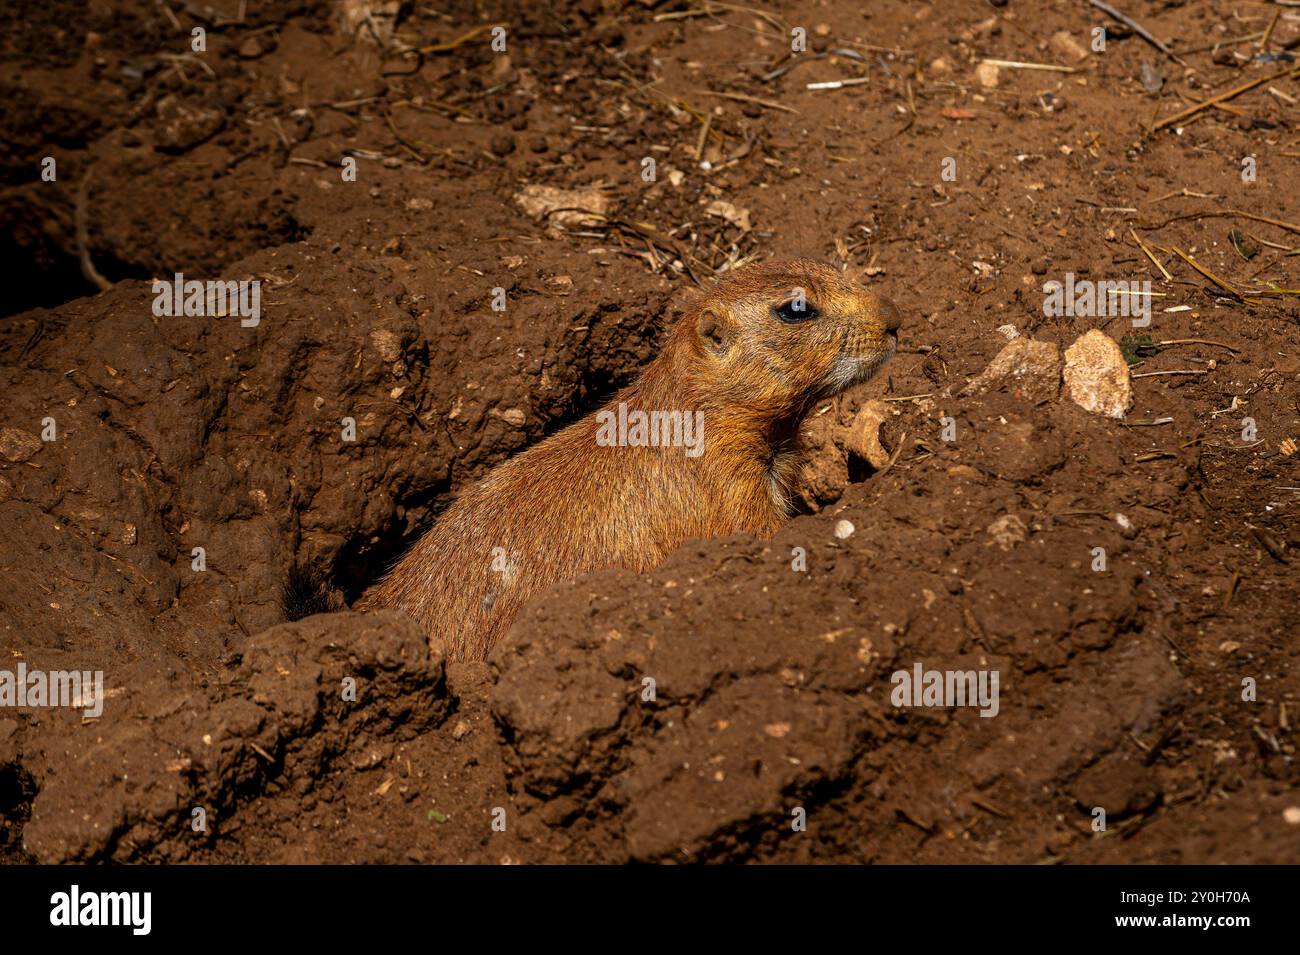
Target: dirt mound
174	769
1130	580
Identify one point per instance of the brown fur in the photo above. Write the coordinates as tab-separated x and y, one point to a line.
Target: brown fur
568	506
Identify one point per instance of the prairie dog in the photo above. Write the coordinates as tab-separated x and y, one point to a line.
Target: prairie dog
702	444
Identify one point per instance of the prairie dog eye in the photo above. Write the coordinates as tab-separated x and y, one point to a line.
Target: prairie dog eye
797	310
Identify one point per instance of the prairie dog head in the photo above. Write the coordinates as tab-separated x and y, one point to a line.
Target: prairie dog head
784	334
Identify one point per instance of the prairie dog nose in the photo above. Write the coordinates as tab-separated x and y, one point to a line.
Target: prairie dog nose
890	315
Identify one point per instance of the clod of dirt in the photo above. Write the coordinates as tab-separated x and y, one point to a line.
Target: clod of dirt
833	437
1097	376
17	445
1030	368
1119	784
182	126
387	343
307	694
1018	450
252	48
825	472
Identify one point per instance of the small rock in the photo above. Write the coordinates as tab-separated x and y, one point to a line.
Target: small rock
419	204
251	48
1151	77
503	144
1008	531
1291	815
987	75
844	529
460	731
1097	376
1032	368
863	435
1064	43
182	126
1223	56
583	207
368	759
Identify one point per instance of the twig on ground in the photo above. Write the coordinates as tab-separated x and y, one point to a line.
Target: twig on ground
1225	95
1137	28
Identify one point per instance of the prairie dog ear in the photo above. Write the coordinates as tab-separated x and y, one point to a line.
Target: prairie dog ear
717	331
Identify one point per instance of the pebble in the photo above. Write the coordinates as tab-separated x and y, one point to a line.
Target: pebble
1097	376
